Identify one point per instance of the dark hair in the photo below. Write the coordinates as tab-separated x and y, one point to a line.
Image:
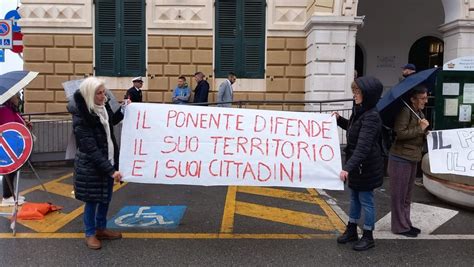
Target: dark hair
200	74
231	74
418	90
182	78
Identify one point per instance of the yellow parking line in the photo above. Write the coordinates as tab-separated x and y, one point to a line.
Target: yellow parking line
170	236
38	187
277	193
61	189
332	216
290	217
55	221
227	225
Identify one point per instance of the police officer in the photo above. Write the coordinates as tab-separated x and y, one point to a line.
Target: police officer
135	92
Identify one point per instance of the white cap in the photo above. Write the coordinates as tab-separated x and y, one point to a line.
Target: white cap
137	79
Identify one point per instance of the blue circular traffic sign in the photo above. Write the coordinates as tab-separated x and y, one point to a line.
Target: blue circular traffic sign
14	16
16	145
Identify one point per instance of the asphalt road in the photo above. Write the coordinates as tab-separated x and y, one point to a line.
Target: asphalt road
228	226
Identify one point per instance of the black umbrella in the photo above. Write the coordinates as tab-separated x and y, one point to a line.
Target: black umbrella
12	82
392	101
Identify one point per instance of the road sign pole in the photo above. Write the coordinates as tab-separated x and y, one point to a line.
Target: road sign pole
17	197
40	181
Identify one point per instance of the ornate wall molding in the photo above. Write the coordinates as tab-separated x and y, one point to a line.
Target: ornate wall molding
186	15
286	15
349	8
469	8
56	15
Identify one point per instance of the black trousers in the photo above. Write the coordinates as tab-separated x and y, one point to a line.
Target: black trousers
7	184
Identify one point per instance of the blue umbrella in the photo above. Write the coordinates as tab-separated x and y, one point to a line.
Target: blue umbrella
389	105
12	82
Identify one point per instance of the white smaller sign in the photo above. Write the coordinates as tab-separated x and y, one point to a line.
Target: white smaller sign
451	107
468	95
465	113
452	151
460	64
450	88
6	34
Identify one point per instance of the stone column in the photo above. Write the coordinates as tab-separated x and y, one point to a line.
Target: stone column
330	57
458	29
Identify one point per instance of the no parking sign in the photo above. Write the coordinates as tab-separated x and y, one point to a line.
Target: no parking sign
5	34
16	145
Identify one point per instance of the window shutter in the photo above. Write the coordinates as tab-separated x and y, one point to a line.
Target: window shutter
133	47
227	41
106	39
254	38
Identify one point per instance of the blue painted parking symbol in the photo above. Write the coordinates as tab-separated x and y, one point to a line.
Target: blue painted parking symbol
147	216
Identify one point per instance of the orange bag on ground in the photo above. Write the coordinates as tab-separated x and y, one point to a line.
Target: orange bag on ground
36	211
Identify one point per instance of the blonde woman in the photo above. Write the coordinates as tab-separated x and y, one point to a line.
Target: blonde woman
96	160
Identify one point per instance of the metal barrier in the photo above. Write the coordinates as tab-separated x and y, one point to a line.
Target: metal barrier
53	130
51	135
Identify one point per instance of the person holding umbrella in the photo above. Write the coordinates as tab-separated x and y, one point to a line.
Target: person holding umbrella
410	128
400	109
96	160
11	84
9	113
364	165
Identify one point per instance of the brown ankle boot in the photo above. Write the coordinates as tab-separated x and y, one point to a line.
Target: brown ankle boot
93	243
107	235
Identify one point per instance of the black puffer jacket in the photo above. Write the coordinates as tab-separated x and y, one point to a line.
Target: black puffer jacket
364	160
92	169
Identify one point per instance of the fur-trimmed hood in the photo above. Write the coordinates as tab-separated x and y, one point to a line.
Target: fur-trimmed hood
77	107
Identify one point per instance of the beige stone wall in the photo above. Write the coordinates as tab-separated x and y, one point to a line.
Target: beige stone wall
285	70
172	56
57	58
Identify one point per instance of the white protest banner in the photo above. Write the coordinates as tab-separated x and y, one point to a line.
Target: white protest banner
452	151
179	144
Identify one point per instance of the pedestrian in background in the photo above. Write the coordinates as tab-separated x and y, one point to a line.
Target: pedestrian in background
96	161
134	93
201	92
9	112
408	70
363	168
226	93
410	128
181	93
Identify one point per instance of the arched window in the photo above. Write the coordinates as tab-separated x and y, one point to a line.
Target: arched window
427	52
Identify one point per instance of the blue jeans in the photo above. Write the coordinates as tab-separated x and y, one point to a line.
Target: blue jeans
95	213
95	217
359	200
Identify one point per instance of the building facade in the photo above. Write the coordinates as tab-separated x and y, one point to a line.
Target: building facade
279	49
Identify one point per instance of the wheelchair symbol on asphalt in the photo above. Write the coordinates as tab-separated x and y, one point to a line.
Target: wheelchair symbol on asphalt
141	219
167	217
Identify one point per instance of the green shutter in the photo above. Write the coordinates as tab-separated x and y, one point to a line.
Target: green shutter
240	38
133	38
254	39
227	41
107	38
